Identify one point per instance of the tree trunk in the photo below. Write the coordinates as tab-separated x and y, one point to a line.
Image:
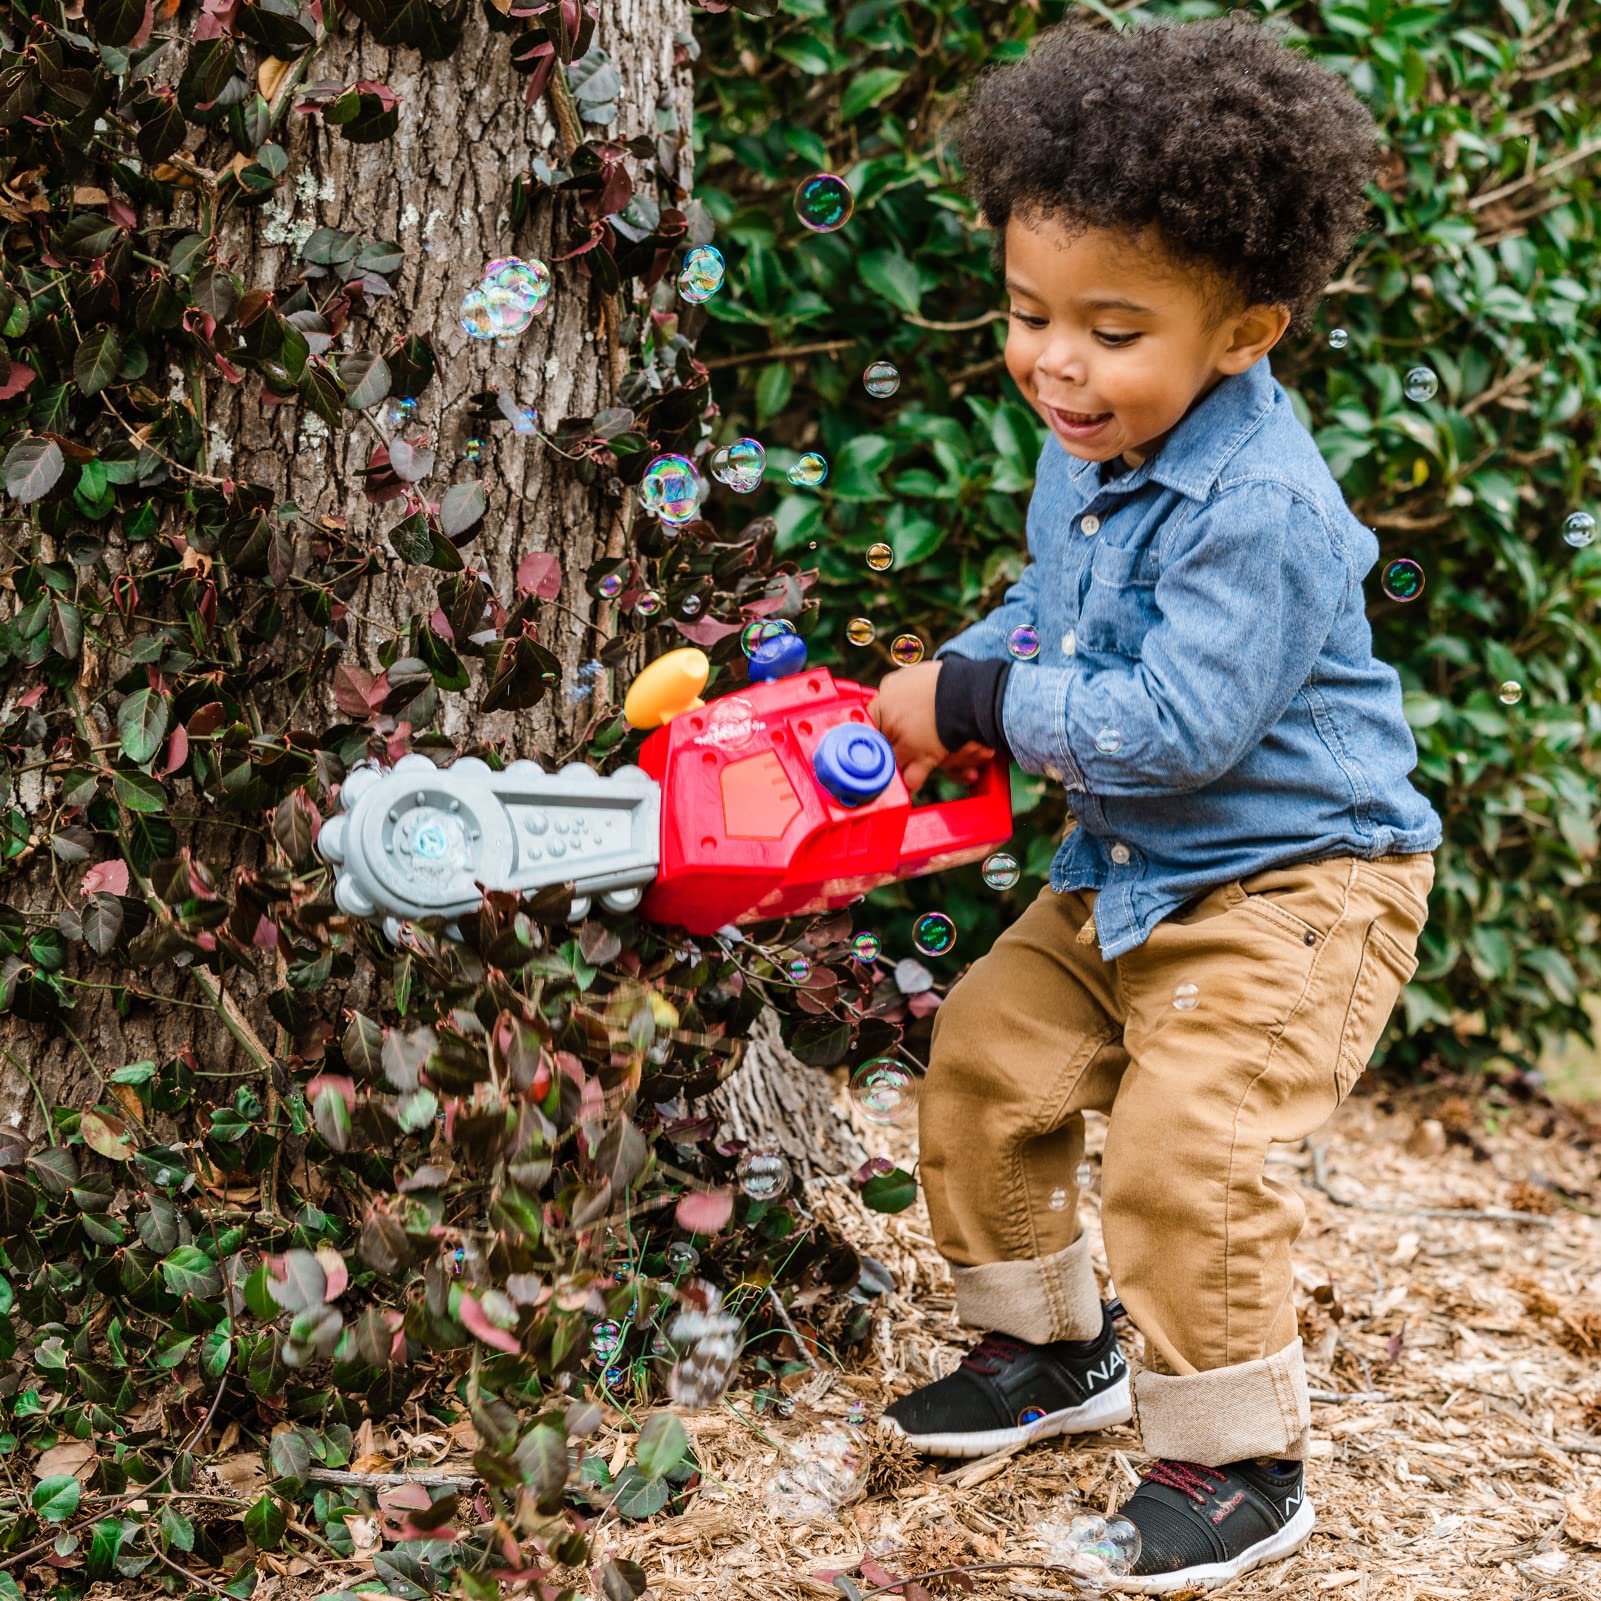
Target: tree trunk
442	188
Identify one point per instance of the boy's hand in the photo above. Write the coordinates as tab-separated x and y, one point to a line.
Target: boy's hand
903	710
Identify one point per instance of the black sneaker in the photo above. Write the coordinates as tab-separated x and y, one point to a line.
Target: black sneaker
1007	1392
1201	1527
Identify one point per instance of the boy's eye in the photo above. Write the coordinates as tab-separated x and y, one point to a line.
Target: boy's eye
1028	321
1116	341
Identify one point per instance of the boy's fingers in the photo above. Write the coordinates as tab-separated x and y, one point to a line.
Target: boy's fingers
873	713
916	773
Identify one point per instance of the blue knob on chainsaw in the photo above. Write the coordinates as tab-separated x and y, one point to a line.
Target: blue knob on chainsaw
777	657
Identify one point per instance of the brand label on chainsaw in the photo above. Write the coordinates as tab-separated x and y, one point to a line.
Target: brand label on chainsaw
732	724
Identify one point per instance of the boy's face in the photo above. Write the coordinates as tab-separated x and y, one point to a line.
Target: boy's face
1113	379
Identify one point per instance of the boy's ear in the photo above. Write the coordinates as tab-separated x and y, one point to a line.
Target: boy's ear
1256	331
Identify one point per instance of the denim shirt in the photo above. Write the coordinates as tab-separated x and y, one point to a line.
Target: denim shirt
1205	686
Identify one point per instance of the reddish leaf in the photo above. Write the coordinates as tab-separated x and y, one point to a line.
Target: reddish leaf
539	573
706	630
705	1211
353	690
110	878
177	751
21	376
476	1321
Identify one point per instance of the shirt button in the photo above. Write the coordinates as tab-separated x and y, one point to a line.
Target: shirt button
1120	854
1069	642
1090	523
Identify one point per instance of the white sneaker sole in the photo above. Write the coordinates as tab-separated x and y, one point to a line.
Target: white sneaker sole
1289	1539
1099	1412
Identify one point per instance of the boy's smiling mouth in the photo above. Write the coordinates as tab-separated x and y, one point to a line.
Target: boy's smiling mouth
1078	424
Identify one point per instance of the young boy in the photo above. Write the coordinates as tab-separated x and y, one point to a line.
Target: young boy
1229	925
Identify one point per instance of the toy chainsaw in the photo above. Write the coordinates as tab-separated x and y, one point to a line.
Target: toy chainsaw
776	799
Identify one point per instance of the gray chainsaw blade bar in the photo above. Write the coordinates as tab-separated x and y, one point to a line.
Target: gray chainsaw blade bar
417	840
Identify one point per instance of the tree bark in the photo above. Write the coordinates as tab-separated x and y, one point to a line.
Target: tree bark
441	187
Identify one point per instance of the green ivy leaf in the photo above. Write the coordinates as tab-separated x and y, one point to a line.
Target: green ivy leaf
142	723
98	360
189	1271
32	467
868	89
890	1192
55	1499
266	1521
662	1445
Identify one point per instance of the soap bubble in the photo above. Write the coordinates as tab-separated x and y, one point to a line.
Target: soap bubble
682	1257
526	421
859	631
1058	1200
825	1472
1579	529
907	649
934	934
648	604
1000	870
1511	692
1186	997
604	1339
881	379
671	489
1024	642
740	465
1422	383
473	450
799	969
1108	741
612	1378
397	413
762	1175
702	274
1402	580
885	1090
865	947
879	556
1084	1177
1029	1416
809	471
475	314
1339	338
611	586
1101	1548
761	630
690	604
824	202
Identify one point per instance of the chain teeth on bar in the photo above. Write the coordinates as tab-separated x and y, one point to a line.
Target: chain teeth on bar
416	840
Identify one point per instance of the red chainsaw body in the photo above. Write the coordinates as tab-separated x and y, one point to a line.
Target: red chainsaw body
748	832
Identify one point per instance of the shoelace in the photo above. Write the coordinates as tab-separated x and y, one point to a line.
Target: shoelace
992	1353
1189	1478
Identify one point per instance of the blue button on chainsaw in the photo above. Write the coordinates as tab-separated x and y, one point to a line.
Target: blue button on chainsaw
853	763
777	657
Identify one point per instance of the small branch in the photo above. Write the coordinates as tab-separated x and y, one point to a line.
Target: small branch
822	347
385	1480
954	327
1351	1397
1573	157
1489	1214
793	1332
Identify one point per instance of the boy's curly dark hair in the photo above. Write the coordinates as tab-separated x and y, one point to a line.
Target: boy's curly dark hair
1249	159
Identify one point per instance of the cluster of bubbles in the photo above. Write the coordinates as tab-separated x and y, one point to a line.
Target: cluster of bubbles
762	1175
1023	643
1186	997
1422	383
1093	1547
1000	870
860	631
906	649
809	471
761	630
824	202
934	934
880	557
702	274
881	379
708	1342
865	947
511	293
885	1090
1402	579
671	489
826	1470
740	465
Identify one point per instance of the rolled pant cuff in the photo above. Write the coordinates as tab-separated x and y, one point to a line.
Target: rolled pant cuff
1227	1414
1043	1298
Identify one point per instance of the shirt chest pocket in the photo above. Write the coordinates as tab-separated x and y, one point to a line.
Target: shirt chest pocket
1118	599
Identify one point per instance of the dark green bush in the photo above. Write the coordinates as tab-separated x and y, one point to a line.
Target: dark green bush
1478	264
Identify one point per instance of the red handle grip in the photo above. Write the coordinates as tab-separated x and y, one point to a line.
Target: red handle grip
955	831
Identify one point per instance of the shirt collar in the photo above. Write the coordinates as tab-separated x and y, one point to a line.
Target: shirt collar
1201	442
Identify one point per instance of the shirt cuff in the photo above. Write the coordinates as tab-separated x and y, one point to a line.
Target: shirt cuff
967	702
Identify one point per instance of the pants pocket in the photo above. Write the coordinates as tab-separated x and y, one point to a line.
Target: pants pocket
1382	973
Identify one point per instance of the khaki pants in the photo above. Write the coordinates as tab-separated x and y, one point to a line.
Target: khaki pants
1295	973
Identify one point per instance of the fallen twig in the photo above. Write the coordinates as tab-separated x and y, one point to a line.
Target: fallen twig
380	1480
1465	1214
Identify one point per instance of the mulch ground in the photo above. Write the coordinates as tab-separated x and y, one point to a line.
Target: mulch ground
1450	1275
